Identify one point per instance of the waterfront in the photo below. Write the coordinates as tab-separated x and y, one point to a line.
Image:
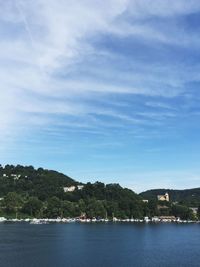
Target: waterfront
155	219
102	244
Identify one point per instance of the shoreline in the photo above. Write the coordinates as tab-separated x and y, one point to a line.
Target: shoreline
78	220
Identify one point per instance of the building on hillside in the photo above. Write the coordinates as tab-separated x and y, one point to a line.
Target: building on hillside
80	187
69	188
15	176
164	197
145	200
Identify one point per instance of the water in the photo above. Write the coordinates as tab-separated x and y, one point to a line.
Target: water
99	245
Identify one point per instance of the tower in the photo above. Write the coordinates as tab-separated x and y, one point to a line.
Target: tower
167	197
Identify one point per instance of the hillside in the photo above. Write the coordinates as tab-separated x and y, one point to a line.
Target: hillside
33	182
190	197
39	192
29	192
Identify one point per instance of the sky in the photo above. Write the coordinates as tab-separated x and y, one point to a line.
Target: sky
102	90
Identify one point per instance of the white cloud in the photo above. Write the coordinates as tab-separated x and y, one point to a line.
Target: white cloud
41	38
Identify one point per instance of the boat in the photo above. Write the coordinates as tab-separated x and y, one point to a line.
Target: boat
3	219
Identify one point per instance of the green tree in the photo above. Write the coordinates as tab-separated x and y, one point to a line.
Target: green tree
54	208
33	206
68	208
13	202
95	208
183	212
152	207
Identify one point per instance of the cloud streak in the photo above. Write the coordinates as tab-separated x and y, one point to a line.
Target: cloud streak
54	40
95	66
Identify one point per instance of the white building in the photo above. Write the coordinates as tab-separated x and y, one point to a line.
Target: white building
164	197
155	219
69	188
80	187
15	176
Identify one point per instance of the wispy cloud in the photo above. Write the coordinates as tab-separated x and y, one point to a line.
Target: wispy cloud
95	67
45	37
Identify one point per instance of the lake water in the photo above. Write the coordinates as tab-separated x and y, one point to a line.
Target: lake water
99	245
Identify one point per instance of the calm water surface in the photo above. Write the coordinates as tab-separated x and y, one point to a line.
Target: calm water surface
99	245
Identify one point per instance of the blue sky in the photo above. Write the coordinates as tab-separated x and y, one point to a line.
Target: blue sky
102	90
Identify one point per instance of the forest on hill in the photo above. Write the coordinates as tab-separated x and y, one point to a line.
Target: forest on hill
29	192
188	197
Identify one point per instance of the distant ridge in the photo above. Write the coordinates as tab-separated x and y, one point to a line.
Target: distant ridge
186	196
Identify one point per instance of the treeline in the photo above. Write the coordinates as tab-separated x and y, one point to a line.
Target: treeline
29	192
39	193
164	208
94	200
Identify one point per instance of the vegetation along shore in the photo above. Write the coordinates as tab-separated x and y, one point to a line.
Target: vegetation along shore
44	196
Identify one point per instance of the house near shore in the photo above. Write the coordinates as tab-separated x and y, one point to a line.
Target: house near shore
155	219
164	197
167	218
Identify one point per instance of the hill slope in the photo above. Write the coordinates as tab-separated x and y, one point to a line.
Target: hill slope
189	197
33	182
40	192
